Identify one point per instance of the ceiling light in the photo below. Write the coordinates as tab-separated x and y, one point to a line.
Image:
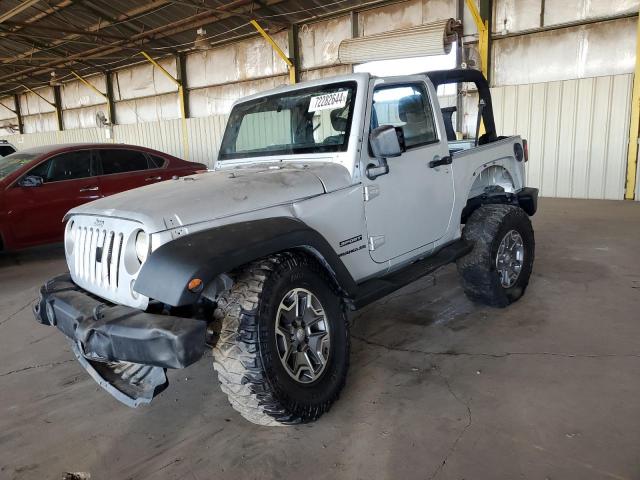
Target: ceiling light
201	42
54	82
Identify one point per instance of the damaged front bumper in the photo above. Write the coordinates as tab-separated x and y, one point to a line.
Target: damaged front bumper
126	350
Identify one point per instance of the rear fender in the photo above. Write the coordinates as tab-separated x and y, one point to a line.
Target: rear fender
492	176
525	198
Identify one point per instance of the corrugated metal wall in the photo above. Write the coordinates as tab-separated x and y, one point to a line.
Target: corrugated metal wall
48	138
204	136
578	132
584	51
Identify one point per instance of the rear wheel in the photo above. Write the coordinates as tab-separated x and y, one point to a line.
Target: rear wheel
496	272
283	352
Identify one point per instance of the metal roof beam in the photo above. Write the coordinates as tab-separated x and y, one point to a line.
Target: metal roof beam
32	35
62	29
42	46
17	9
164	31
49	11
40	58
95	9
245	16
101	25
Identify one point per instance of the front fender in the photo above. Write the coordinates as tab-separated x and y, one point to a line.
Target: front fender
209	253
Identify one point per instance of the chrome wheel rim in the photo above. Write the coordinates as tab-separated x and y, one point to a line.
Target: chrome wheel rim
302	335
510	258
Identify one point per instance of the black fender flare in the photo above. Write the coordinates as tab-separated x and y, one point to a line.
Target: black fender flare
525	198
209	253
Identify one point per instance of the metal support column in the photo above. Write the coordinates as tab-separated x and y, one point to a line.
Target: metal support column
16	101
278	50
15	111
294	53
486	13
181	69
58	104
110	103
181	99
355	26
91	87
482	19
355	31
483	26
634	127
106	96
103	95
459	60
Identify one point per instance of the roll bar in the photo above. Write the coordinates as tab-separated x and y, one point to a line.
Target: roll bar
466	75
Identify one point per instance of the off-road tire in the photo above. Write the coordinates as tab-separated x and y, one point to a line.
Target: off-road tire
245	356
485	229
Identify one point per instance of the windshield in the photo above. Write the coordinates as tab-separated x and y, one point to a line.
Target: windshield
313	120
13	162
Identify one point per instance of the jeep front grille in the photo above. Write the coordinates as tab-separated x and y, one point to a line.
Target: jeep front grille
97	256
101	259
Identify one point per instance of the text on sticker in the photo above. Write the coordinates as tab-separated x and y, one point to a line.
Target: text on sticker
328	101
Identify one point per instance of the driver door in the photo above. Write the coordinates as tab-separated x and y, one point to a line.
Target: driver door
409	207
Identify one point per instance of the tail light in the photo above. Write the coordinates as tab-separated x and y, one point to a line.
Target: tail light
525	146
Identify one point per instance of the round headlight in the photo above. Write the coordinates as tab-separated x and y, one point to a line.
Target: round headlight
69	238
142	246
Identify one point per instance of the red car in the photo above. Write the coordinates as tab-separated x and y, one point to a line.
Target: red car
39	185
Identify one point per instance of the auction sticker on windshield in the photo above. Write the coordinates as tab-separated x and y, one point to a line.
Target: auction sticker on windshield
328	101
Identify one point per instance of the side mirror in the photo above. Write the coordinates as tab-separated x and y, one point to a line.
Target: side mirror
387	141
31	181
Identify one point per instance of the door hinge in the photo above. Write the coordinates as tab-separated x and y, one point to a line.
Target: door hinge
371	191
376	241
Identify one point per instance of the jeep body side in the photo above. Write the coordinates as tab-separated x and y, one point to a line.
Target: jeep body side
326	196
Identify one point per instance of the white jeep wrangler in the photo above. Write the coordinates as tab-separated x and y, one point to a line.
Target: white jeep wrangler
326	196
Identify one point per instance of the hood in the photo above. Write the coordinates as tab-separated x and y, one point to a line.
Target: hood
221	193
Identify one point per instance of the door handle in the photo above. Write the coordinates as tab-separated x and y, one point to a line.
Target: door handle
90	189
437	161
153	179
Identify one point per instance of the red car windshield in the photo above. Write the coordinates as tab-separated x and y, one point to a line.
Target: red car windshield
13	162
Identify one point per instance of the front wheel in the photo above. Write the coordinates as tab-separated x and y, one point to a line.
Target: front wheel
496	272
283	352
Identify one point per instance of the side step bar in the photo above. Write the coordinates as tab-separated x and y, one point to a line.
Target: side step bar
377	288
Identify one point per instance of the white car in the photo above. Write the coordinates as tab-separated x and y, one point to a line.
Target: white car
6	148
326	196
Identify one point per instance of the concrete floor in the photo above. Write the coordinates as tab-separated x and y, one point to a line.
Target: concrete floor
438	388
